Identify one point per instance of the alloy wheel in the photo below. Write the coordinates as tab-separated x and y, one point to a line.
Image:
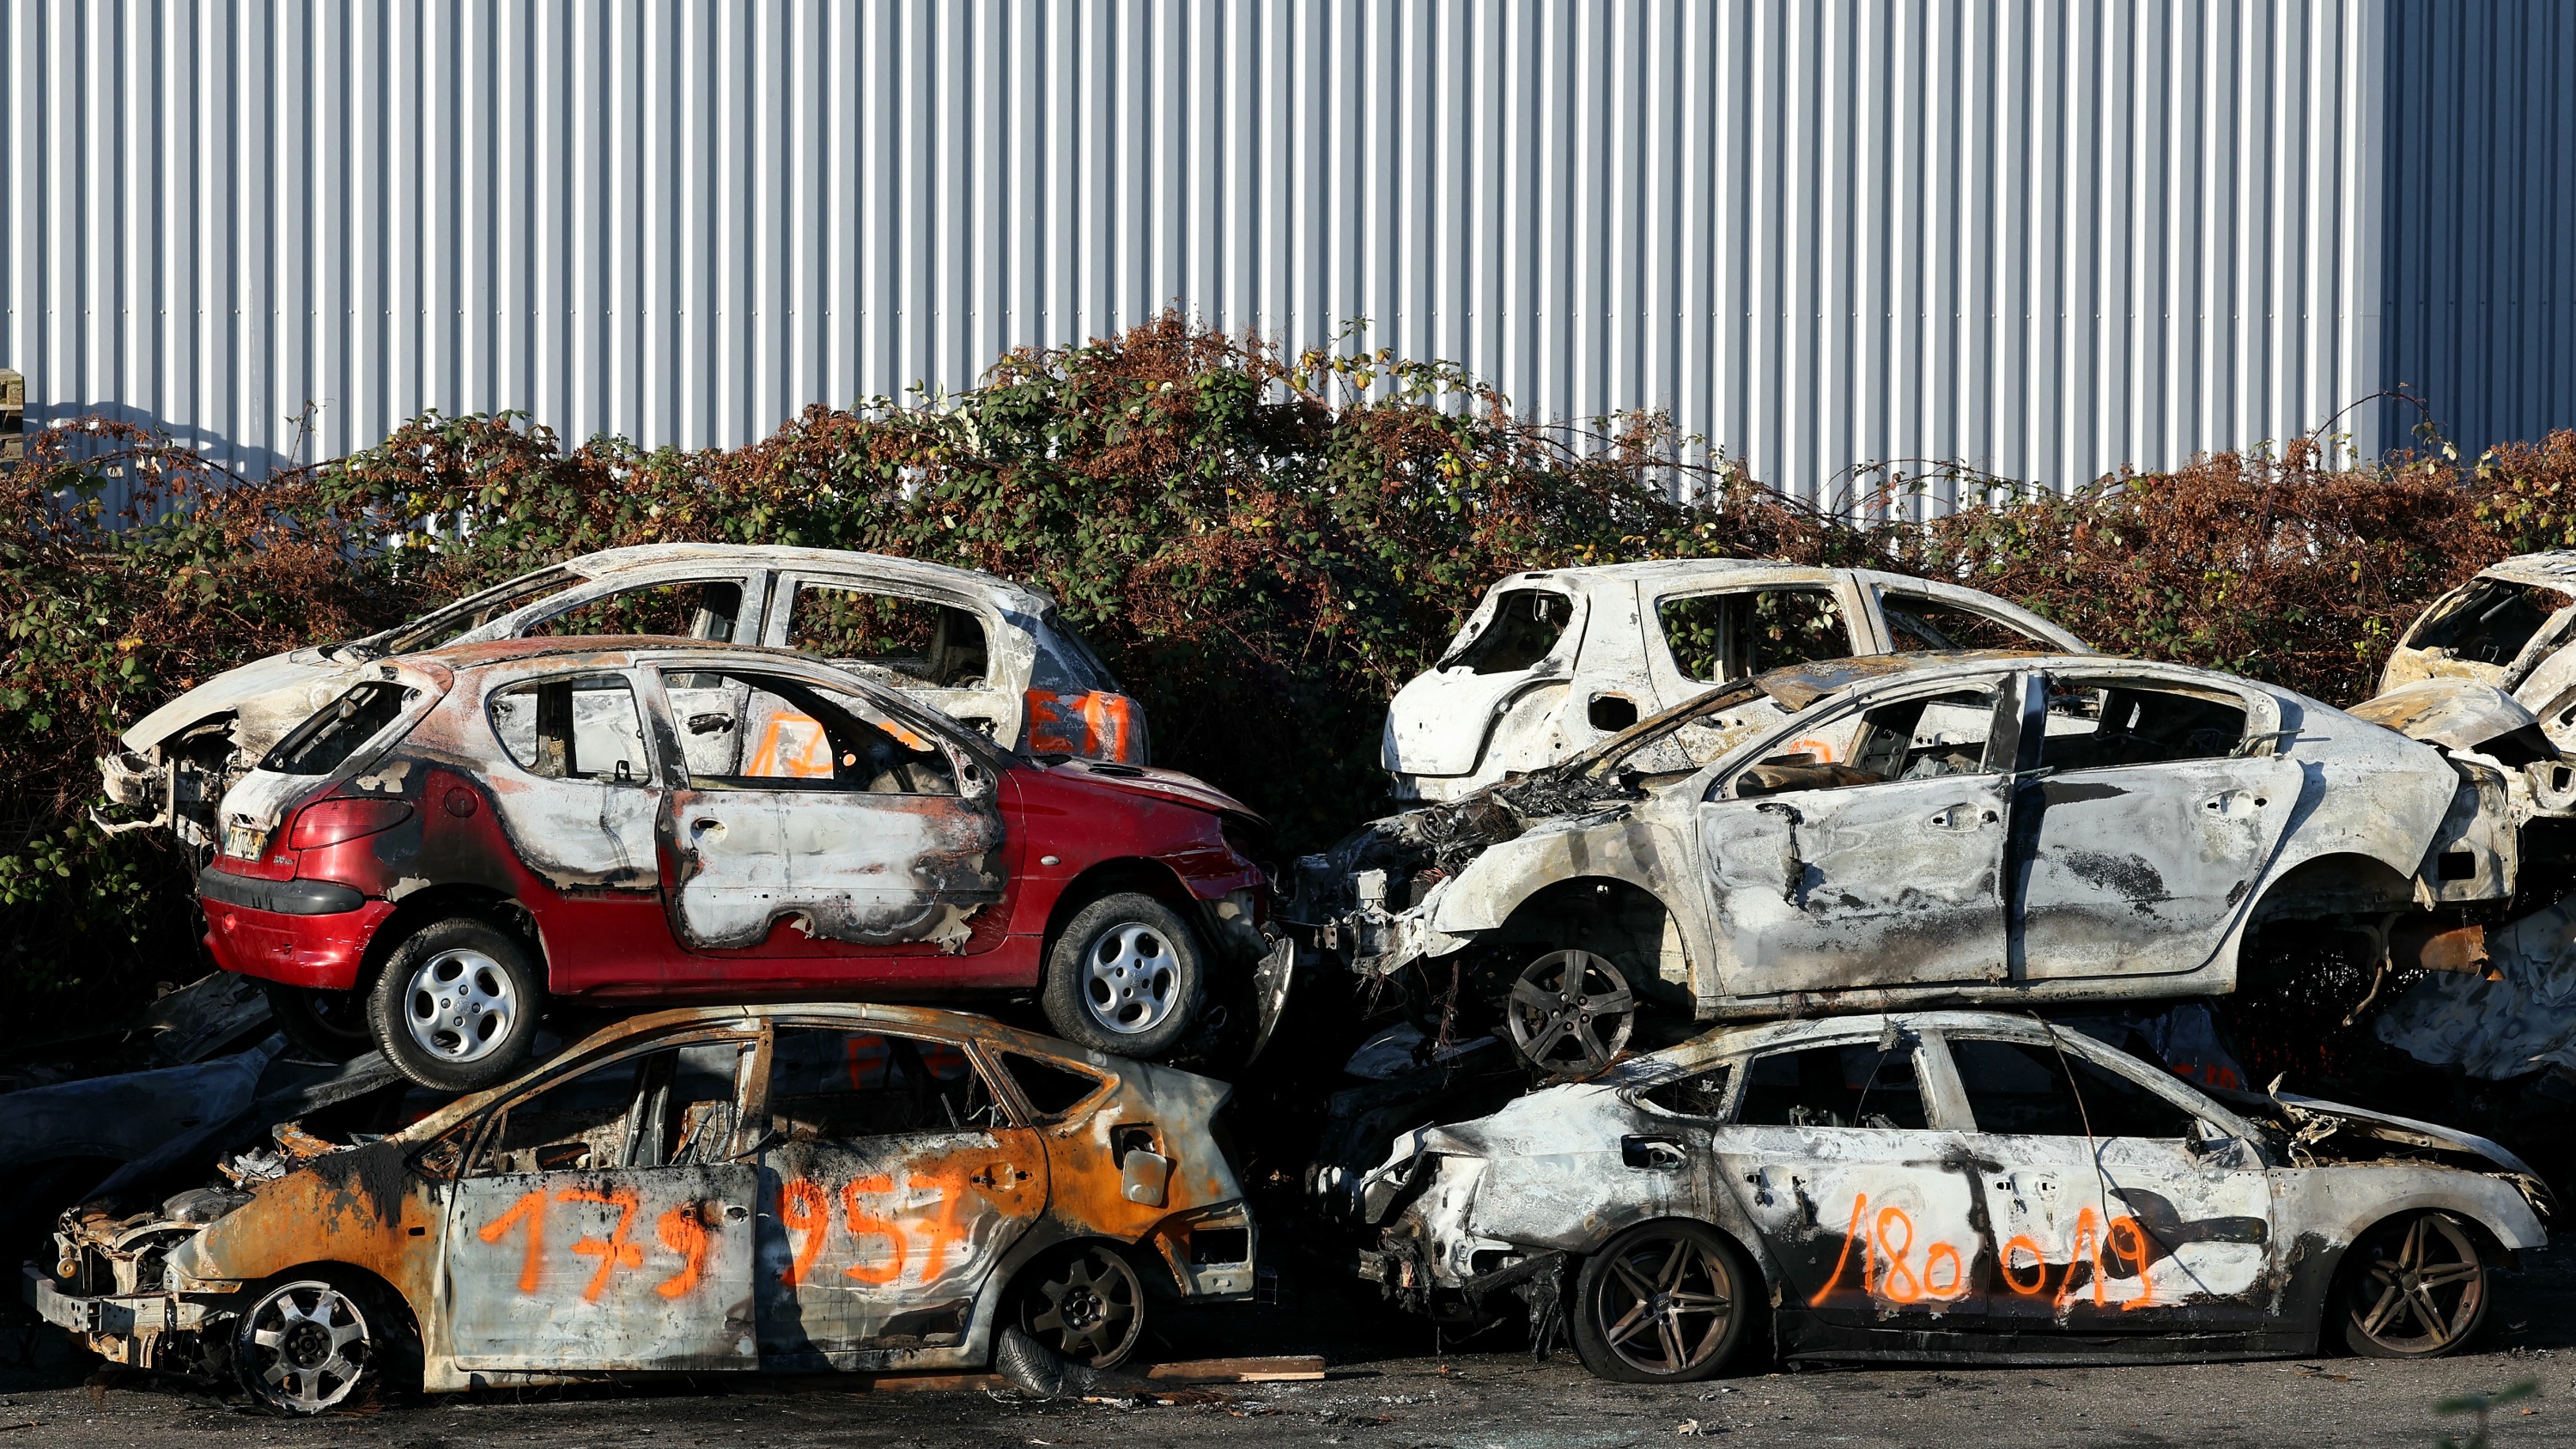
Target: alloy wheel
1132	976
460	1005
1666	1305
2419	1291
303	1347
1570	1012
1087	1307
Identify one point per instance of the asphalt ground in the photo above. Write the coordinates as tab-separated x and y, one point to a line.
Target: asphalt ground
1392	1384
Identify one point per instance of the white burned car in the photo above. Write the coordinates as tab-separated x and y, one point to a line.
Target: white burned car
1555	660
984	650
1944	1186
1910	829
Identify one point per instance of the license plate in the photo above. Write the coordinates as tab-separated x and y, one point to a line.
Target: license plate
242	842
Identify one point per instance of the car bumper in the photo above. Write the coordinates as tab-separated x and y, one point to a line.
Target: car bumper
112	1325
298	945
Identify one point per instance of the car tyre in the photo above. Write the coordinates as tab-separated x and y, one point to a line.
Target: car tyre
1667	1302
2411	1288
309	1345
1085	1303
330	1024
456	1006
1128	976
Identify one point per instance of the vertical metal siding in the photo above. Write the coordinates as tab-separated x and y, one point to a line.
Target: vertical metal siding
2043	238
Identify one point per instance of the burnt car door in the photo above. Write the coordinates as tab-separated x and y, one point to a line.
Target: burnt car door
1870	850
892	1185
2149	826
1860	1193
799	803
578	793
2116	1207
602	1219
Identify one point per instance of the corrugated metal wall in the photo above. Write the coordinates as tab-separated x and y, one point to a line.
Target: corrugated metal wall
2046	238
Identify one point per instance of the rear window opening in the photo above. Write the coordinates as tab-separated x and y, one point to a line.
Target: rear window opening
921	644
693	610
1916	622
1720	638
327	740
1524	629
2490	622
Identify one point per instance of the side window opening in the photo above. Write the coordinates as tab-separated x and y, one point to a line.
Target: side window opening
671	1107
2031	1089
583	728
447	625
1917	622
1907	739
912	643
1855	1085
326	741
703	609
2490	622
1718	638
2101	726
1050	1087
1524	628
1703	1095
828	1084
763	732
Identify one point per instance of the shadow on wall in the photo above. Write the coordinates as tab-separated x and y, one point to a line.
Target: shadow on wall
247	463
2478	267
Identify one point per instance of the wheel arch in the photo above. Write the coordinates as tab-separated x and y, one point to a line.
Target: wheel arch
1630	925
432	904
1034	1250
1141	874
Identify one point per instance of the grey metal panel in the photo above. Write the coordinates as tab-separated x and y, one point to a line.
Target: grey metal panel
2046	239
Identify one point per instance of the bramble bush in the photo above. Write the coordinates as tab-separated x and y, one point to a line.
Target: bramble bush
1263	545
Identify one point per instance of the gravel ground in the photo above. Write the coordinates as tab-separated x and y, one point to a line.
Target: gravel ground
1390	1388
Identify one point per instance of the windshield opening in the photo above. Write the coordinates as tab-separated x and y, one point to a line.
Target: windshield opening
2490	622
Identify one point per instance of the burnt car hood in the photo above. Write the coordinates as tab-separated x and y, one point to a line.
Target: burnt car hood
291	685
2406	1131
1153	784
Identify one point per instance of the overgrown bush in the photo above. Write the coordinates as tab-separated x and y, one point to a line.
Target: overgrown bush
1264	546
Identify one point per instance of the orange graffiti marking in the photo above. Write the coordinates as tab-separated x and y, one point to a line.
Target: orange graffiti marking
864	1225
1938	1253
1897	1272
950	1184
804	1208
2038	1283
1851	1234
2091	1240
2135	1256
683	1230
615	1252
531	1206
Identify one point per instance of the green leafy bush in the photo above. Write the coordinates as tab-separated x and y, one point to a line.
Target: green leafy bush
1264	546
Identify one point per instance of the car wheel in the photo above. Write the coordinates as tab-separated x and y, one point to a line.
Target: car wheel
2412	1288
1087	1305
1664	1303
307	1346
1128	976
1570	1013
456	1006
330	1024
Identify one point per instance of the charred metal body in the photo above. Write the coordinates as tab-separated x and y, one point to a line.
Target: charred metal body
1945	1185
998	658
1912	829
1556	660
781	1189
647	821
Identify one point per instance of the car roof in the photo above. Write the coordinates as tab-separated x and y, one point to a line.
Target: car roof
929	1020
2554	569
1739	1038
610	651
1800	685
1671	570
878	567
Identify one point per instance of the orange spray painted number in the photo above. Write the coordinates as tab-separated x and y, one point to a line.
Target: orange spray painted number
1885	1243
682	1229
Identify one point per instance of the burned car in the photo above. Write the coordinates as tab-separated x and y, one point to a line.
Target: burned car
1899	830
2507	629
470	833
783	1189
983	650
1556	660
1943	1186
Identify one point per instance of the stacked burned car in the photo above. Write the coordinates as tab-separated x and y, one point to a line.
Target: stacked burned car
1771	961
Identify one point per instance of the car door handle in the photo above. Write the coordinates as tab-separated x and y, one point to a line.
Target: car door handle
1654	1154
704	824
1962	817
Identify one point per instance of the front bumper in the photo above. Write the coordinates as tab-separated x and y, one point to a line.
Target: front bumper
296	947
124	1328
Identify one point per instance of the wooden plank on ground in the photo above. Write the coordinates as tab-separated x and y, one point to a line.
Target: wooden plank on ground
1286	1368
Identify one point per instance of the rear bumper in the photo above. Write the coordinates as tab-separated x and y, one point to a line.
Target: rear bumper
298	947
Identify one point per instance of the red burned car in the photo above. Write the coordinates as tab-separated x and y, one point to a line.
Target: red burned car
469	834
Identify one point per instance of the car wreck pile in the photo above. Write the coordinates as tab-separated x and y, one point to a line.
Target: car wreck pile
1772	960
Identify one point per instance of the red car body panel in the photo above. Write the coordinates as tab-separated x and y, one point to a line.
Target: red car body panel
624	942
